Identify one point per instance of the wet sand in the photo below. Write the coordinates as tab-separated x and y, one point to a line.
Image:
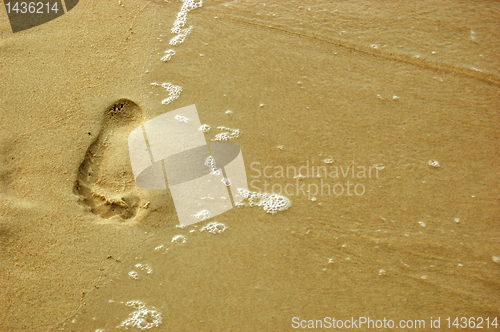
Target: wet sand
408	91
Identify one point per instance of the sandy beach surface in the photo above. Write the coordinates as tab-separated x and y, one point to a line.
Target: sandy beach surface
378	120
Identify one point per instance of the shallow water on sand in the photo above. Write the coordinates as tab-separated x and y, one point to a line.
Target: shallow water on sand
388	112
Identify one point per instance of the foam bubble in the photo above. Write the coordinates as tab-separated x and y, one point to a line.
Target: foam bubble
434	163
214	228
179	239
133	275
181	118
181	36
271	203
229	134
222	137
143	318
204	128
144	267
210	163
168	55
191	4
203	215
174	91
180	22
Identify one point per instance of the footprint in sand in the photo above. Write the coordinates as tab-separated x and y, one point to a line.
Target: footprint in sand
105	182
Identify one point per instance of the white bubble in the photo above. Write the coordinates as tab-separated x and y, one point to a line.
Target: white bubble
143	318
270	203
382	272
174	91
210	163
144	267
328	160
133	275
496	259
222	137
229	112
179	239
203	215
229	134
214	228
421	223
181	35
434	163
168	55
181	118
204	128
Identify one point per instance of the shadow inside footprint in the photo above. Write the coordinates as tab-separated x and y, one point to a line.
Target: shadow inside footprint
105	181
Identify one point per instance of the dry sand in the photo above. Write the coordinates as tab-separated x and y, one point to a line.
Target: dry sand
362	83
